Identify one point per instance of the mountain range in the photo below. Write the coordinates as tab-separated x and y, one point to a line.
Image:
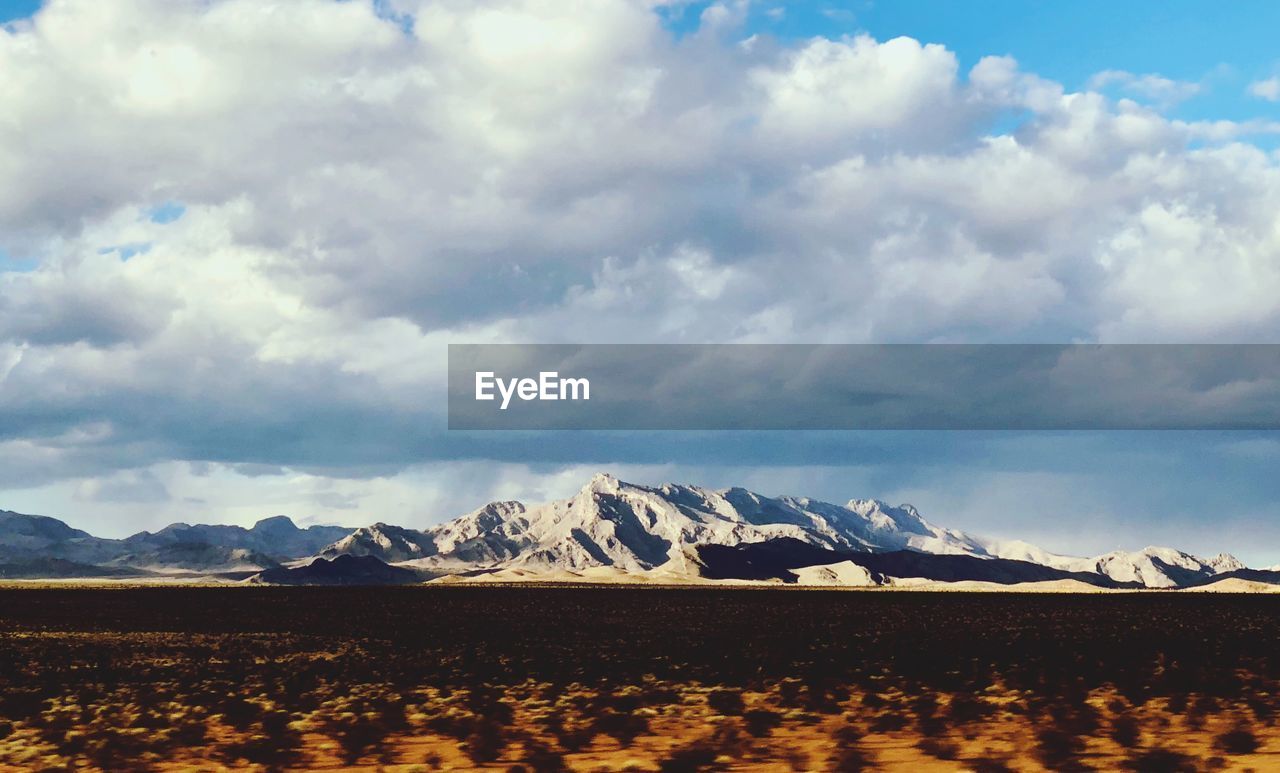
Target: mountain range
609	531
25	540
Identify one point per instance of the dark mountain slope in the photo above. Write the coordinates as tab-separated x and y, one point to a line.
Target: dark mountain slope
776	559
342	570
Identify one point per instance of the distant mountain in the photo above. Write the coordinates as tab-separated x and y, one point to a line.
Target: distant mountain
196	557
58	568
495	533
631	528
1152	567
27	537
637	528
35	531
342	570
1265	576
28	540
277	537
1225	562
383	541
667	533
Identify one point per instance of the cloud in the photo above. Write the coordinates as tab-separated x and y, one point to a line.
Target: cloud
98	300
1156	89
837	96
1268	89
360	184
132	486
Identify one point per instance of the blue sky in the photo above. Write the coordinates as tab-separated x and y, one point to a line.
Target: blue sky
1224	46
242	307
10	263
17	9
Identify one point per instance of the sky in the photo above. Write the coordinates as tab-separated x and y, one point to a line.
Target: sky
1209	54
236	238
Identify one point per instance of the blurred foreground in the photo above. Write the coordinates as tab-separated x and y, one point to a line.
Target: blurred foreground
634	678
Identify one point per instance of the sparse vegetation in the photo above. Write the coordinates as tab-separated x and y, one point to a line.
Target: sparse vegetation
1125	731
1162	761
546	680
1238	740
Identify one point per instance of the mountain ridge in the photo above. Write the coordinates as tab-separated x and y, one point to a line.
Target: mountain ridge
626	530
640	529
177	548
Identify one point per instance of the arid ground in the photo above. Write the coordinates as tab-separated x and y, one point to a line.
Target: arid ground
626	678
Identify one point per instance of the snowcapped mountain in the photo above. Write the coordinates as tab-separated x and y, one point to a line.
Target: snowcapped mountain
609	523
1225	562
1154	567
609	530
639	529
634	529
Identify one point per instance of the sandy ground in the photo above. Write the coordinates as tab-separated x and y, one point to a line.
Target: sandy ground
1235	585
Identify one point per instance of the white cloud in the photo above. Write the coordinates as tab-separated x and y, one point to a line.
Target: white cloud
154	496
1268	89
1156	89
835	96
1170	269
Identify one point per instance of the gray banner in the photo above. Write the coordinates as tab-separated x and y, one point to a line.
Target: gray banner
891	386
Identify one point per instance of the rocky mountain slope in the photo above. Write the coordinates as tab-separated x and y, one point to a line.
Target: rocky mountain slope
638	528
641	529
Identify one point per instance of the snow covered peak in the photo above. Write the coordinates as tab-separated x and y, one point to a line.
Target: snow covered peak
602	483
864	506
1171	555
1225	562
1153	566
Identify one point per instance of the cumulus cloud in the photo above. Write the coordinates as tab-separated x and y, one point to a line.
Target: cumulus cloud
360	183
1268	89
836	97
